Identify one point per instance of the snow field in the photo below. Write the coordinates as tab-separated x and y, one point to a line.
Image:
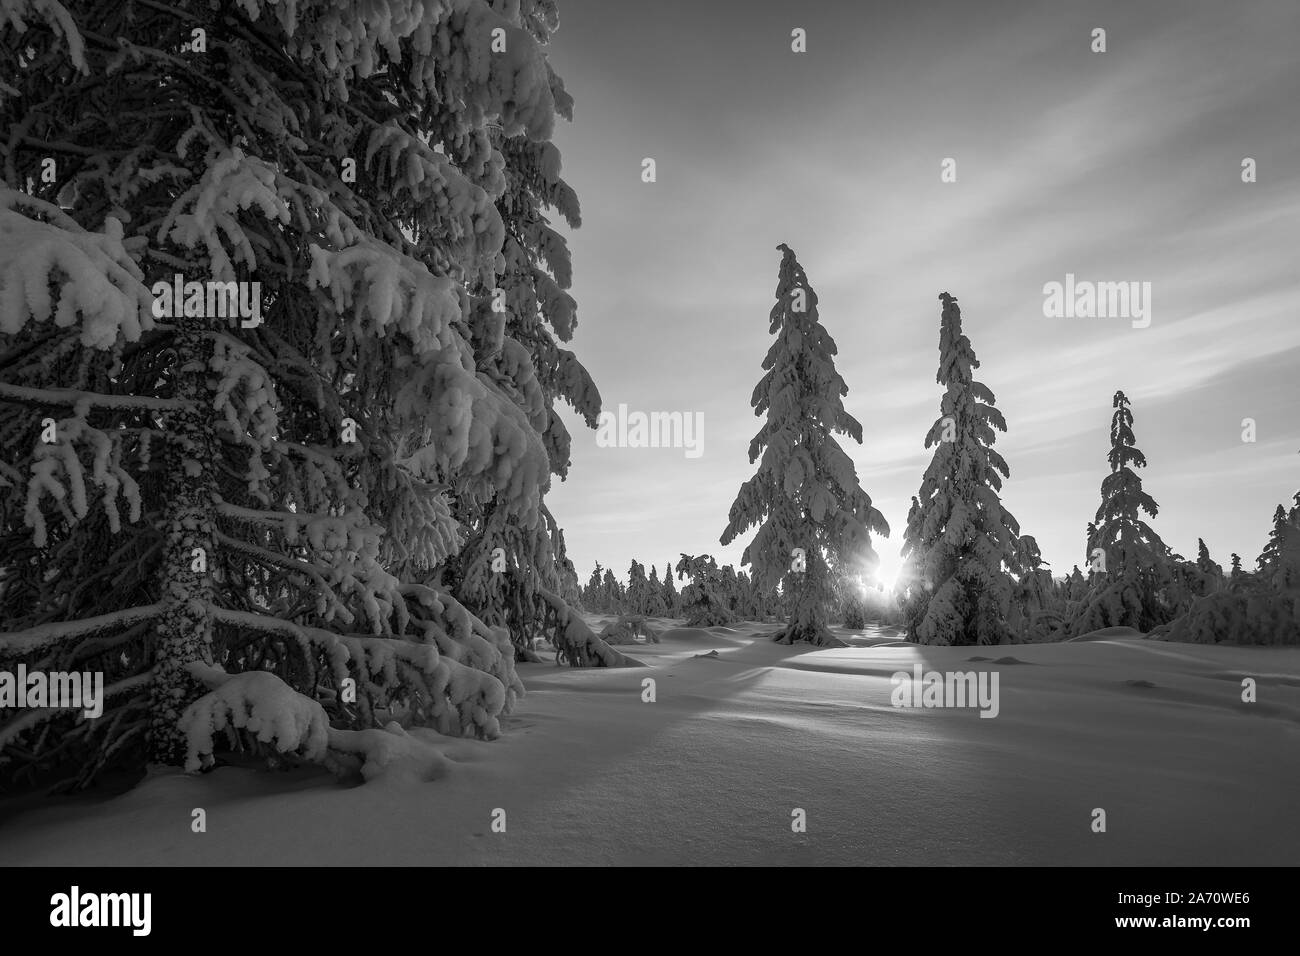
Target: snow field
588	774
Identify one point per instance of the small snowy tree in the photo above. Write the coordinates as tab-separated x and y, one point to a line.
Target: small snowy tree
636	598
1037	611
650	599
852	604
703	601
1129	563
813	518
1271	561
1211	573
960	551
672	600
655	605
615	593
593	595
1076	585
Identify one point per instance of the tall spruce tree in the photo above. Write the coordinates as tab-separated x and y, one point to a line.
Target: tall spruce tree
813	518
246	523
960	550
1129	562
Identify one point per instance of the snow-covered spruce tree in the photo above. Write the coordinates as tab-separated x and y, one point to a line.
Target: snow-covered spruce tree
813	518
1279	564
729	590
643	593
672	600
750	602
1184	585
760	601
961	566
851	603
1129	563
1075	585
637	583
1259	608
703	603
592	592
1211	573
615	596
242	520
1037	612
1270	561
656	606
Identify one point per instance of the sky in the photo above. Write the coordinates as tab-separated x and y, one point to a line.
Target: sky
1122	166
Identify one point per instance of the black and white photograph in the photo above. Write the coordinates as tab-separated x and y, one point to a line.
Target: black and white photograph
699	433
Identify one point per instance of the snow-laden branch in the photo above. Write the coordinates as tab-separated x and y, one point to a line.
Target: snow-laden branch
98	282
271	519
260	703
85	400
25	642
576	641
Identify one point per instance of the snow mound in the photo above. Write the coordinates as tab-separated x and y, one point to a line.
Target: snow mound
1109	634
390	751
627	630
258	702
695	635
599	779
262	704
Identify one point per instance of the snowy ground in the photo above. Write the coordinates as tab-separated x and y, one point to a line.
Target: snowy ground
1154	733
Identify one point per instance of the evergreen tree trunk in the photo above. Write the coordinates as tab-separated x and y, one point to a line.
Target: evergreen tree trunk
184	631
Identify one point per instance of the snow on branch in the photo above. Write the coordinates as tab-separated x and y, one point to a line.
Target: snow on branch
83	401
352	41
57	471
245	394
210	208
476	430
40	246
262	704
381	290
425	177
33	639
457	697
574	640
